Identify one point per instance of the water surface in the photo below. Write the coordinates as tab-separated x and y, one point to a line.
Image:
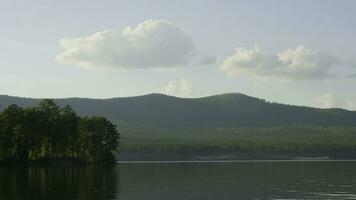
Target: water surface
183	181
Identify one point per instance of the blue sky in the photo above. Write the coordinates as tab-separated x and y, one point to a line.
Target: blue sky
297	52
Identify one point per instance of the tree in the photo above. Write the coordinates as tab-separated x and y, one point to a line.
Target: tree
31	129
110	141
103	139
51	132
50	124
69	134
11	119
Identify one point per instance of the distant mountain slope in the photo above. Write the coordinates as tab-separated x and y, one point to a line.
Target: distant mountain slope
226	110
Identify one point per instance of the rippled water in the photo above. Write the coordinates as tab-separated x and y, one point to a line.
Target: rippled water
183	181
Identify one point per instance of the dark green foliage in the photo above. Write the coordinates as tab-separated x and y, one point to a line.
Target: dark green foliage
51	132
11	135
99	139
238	143
219	111
163	123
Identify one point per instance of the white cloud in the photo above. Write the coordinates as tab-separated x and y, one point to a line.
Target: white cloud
292	64
329	100
180	88
152	44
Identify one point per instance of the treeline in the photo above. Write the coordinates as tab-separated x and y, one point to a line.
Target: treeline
238	143
50	132
219	111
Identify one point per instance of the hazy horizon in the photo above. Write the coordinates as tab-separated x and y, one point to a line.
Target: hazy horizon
168	95
292	52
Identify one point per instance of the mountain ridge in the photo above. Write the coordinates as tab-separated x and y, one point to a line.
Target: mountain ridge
171	96
222	110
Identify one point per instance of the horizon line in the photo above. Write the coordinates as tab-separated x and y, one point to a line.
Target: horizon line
172	96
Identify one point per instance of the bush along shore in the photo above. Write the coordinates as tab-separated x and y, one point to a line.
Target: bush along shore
49	134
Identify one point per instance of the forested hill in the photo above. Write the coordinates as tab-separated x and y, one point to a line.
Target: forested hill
226	110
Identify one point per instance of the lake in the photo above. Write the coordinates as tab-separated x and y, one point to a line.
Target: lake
183	181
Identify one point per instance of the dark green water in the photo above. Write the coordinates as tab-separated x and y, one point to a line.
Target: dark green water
183	181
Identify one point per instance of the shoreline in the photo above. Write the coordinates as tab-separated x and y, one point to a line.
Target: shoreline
232	161
46	164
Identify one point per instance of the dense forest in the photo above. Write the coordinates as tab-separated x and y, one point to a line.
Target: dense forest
218	111
50	132
156	126
293	142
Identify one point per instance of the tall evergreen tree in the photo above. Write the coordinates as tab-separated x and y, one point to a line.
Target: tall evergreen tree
11	119
50	125
51	132
69	131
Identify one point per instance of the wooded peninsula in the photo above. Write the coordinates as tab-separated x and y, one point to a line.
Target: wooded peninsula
49	132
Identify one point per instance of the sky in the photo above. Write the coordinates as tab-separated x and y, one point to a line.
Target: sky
294	52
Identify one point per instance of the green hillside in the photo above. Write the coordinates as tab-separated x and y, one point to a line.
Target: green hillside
227	126
226	110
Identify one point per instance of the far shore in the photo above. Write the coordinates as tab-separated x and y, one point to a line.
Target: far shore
232	161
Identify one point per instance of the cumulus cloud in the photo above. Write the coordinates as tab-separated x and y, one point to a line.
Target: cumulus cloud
180	88
292	64
329	100
152	44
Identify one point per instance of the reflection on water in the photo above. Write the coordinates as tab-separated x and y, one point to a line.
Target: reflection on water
81	182
182	181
